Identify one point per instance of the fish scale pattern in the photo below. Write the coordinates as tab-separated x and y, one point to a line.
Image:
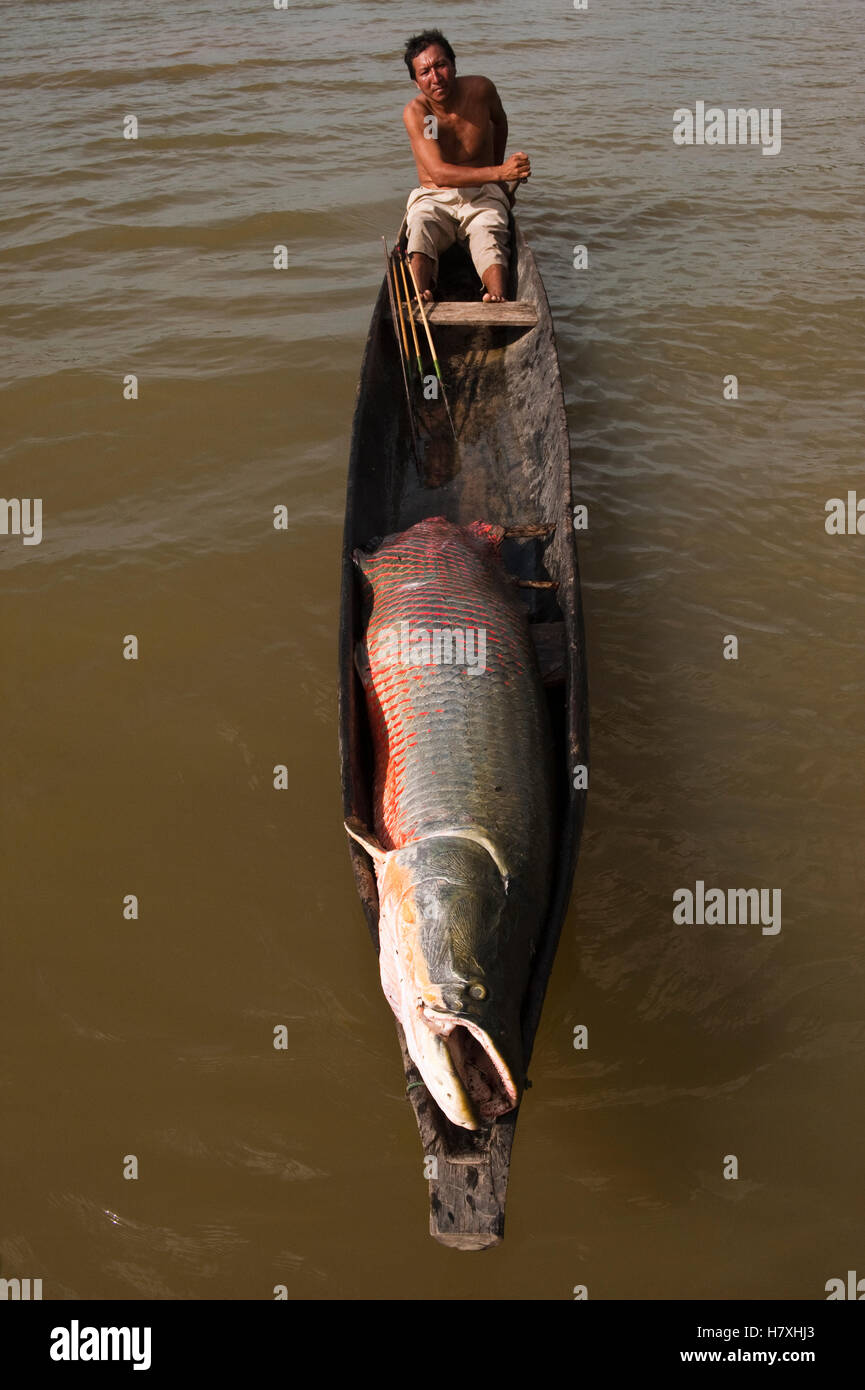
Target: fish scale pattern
454	746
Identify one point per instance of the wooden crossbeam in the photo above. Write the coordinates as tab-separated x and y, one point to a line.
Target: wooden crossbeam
474	313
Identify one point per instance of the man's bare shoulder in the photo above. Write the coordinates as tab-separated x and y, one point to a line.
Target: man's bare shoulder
471	86
414	113
478	86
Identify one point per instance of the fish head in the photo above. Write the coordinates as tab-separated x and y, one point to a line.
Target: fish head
452	974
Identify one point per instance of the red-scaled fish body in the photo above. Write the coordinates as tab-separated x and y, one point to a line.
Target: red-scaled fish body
463	806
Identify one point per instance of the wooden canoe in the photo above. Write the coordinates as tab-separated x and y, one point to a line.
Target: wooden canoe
510	465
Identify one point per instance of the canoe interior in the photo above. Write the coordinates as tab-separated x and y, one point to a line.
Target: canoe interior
511	466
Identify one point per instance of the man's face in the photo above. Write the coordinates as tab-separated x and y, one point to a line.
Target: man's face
434	73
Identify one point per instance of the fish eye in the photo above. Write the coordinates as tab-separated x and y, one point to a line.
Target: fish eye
478	991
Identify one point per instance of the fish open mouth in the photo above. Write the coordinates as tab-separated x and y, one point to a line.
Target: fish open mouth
483	1075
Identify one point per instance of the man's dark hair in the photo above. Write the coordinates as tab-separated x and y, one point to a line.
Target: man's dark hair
422	41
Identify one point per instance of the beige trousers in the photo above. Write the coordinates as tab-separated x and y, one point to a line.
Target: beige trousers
437	217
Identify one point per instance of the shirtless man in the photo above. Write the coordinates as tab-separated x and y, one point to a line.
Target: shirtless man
460	157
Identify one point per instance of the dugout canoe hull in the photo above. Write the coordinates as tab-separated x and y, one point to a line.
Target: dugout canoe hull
511	466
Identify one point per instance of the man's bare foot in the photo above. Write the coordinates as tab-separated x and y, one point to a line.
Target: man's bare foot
495	285
423	269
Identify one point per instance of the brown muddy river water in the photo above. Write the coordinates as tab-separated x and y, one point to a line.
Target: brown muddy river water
151	1035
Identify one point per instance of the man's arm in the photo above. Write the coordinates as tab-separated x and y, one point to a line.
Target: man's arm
499	122
500	125
428	156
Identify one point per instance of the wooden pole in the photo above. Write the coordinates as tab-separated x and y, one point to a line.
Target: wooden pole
403	356
404	258
403	330
410	314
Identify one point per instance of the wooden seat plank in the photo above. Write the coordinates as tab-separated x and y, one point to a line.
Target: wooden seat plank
475	313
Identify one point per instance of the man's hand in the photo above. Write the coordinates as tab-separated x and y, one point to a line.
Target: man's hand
516	168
